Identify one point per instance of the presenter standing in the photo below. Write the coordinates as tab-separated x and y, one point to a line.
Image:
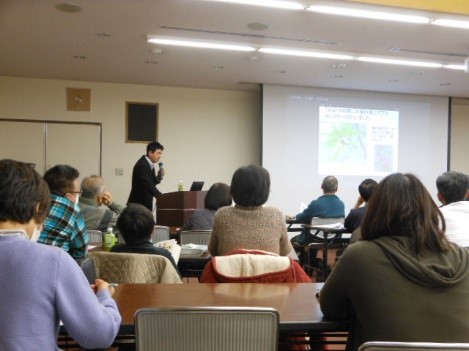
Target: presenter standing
144	179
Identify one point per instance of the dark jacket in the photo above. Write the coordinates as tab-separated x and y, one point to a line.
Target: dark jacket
144	183
201	219
354	218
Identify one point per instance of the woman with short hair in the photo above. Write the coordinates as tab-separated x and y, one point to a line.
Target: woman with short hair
249	224
202	218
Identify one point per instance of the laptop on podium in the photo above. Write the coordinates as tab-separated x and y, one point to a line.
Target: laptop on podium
197	186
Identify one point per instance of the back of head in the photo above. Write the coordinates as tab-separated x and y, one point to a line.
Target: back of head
92	186
250	186
135	224
366	187
401	206
153	146
329	185
218	195
60	179
24	195
452	186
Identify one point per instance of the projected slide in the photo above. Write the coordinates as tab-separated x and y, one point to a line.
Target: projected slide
354	141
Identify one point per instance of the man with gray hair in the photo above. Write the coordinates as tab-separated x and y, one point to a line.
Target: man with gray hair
452	190
96	205
328	205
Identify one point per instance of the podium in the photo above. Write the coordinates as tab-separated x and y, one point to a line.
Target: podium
174	209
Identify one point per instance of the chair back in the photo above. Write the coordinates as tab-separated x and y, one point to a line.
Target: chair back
198	237
95	237
160	233
129	268
411	346
253	266
207	329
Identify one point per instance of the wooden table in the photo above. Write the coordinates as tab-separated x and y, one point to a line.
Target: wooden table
296	302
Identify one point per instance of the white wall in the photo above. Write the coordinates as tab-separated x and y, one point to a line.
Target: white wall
207	134
460	138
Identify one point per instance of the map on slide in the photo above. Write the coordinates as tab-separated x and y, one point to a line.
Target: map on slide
355	141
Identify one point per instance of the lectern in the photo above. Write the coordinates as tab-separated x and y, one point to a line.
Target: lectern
174	209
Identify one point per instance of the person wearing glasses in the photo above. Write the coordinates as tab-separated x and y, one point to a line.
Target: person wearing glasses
64	225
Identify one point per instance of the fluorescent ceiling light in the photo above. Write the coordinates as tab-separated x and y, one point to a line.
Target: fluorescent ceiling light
305	53
460	67
400	62
451	23
298	53
386	16
200	44
280	4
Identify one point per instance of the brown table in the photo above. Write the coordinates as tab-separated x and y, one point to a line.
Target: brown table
296	303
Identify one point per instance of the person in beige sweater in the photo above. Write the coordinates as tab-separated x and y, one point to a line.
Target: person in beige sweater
249	225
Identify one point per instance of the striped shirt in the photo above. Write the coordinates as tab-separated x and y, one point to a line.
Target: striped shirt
64	227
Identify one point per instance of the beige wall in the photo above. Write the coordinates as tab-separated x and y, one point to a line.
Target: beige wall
460	138
207	134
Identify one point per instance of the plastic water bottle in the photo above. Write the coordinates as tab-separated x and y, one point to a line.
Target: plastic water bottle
180	186
109	239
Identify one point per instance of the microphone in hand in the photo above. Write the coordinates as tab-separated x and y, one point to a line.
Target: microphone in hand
161	170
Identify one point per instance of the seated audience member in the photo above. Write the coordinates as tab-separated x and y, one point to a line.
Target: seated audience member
64	226
41	285
136	225
452	190
404	281
328	205
217	196
355	216
249	225
97	206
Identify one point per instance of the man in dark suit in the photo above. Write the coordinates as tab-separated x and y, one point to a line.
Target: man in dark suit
144	179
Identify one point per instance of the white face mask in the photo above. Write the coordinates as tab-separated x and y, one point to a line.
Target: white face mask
36	234
76	199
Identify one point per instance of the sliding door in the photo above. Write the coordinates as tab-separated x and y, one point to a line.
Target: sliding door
77	145
48	143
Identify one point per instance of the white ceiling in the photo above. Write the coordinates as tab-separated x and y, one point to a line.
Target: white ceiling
38	40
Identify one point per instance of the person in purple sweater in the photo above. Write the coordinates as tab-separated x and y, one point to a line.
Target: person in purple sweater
41	285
